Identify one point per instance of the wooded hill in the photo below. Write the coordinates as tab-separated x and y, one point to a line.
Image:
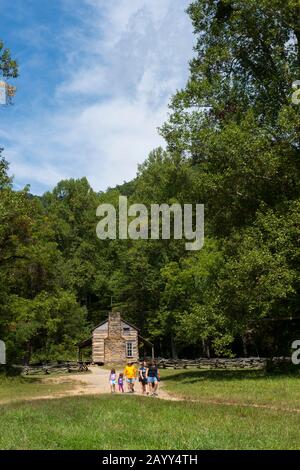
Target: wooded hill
233	144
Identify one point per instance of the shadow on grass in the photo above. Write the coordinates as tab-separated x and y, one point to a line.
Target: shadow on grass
10	375
193	376
8	371
20	380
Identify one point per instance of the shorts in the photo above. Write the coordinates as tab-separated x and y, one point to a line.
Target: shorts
143	380
152	380
113	382
130	381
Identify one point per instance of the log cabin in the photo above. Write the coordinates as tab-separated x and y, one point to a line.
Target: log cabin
114	341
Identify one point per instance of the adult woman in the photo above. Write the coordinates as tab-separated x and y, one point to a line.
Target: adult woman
143	377
153	378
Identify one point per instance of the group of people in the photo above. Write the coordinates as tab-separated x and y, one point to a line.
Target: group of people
147	375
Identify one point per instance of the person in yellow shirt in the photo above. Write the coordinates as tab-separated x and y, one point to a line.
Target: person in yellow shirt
130	372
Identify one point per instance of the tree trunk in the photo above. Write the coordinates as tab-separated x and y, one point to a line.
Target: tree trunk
205	347
27	356
207	350
173	348
245	349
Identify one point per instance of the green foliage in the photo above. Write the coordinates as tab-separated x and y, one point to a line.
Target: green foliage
233	144
50	324
41	318
8	66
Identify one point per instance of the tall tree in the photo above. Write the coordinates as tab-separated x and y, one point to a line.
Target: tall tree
8	65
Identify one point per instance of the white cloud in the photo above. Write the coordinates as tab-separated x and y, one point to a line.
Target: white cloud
121	66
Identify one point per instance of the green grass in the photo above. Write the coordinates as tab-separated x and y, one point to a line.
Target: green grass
13	388
127	422
235	386
133	422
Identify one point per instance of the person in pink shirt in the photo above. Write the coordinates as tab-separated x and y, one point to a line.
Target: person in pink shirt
113	380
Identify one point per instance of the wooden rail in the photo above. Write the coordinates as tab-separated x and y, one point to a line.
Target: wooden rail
55	368
224	363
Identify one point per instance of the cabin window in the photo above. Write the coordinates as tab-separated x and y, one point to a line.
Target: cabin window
129	349
126	330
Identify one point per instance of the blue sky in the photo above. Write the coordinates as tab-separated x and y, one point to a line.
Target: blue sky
95	80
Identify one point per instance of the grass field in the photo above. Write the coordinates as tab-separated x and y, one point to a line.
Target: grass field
252	386
133	422
18	388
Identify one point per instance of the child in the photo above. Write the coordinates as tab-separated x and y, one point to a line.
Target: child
121	383
112	380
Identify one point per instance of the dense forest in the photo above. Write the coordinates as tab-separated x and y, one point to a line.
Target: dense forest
232	144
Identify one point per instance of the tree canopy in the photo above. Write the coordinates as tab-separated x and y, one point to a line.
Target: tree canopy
232	143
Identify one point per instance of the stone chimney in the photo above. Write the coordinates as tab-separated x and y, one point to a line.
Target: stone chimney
114	325
114	344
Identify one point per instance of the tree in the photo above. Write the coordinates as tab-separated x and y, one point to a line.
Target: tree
233	144
47	327
8	66
235	122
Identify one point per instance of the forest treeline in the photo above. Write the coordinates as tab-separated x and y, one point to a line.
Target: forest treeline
233	144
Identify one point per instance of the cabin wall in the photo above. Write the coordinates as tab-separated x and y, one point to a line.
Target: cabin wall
131	335
99	335
110	341
135	345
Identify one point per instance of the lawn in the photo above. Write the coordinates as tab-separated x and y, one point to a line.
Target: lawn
128	422
238	386
134	422
13	388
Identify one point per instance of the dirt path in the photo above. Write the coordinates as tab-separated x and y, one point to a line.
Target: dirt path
96	382
93	383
